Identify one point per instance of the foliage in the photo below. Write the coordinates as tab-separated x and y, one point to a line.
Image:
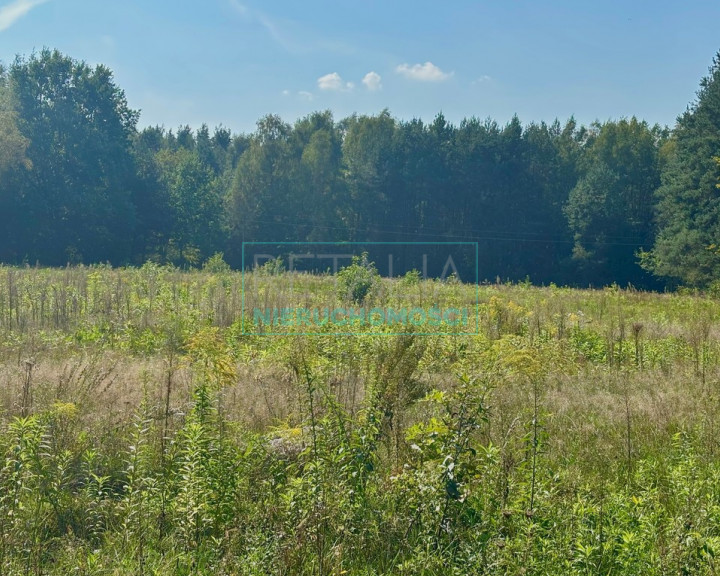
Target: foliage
76	198
357	281
573	432
688	206
216	264
610	208
552	202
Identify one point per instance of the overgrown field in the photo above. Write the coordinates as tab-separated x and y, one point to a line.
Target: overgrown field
142	432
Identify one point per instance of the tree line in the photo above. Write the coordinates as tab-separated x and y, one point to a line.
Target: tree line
614	202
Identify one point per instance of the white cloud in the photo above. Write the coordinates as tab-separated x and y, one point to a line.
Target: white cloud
427	72
274	31
330	82
286	92
11	13
334	82
290	34
482	80
307	95
372	81
249	14
241	8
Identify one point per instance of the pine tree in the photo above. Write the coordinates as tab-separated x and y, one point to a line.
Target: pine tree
688	213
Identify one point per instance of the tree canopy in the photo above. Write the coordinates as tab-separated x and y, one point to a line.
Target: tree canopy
74	203
555	202
688	204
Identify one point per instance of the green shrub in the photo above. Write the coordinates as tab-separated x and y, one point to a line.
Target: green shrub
216	264
359	280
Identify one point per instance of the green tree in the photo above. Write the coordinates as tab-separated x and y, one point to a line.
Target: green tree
13	162
688	211
261	204
76	202
550	158
150	197
13	145
323	190
194	203
368	158
610	210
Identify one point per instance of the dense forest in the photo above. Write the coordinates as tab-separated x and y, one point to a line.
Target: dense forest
614	202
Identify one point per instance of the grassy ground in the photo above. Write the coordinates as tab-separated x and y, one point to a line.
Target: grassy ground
146	429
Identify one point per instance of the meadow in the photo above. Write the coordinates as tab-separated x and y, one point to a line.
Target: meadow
146	430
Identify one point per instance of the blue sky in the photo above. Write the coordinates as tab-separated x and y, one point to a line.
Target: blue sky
232	61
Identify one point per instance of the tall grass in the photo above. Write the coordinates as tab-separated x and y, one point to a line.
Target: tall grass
142	431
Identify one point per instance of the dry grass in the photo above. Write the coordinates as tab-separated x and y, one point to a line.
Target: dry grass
586	391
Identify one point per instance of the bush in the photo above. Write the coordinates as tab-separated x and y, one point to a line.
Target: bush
357	281
216	264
